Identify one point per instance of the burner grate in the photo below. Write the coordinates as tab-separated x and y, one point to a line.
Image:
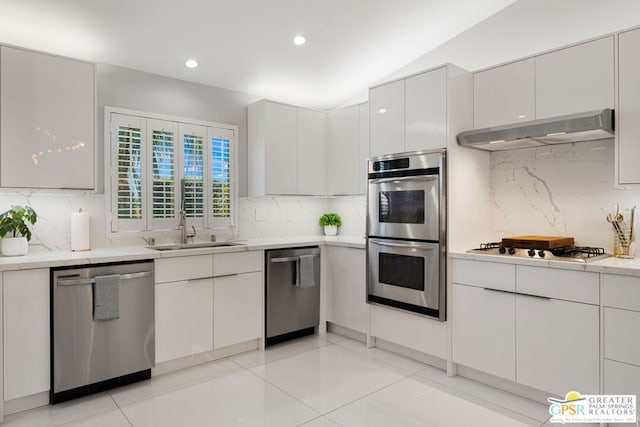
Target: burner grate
585	251
487	246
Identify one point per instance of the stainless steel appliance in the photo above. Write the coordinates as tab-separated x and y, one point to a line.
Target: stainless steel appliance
565	253
406	232
589	126
102	327
292	293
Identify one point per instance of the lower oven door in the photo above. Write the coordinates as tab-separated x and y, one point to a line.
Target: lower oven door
405	275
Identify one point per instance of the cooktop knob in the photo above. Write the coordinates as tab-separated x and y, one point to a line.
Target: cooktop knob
502	249
531	252
541	253
512	250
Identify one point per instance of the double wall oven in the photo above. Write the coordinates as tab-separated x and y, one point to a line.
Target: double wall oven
406	230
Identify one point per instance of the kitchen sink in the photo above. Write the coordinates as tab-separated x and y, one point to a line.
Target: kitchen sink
178	246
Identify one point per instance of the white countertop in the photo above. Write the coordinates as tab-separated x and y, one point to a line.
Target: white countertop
611	265
127	253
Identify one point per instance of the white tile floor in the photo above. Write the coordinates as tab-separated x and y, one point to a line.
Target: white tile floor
311	382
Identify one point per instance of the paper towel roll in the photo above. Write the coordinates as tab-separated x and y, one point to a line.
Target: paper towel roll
80	236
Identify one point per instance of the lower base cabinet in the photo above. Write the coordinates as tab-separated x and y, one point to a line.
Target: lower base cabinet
26	332
484	336
557	345
184	318
621	378
347	288
237	309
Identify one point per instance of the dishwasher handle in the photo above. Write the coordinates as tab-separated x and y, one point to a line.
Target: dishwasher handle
91	281
286	259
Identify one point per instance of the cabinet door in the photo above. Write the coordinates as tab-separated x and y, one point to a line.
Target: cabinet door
364	148
575	79
312	141
504	94
426	111
184	318
47	121
557	346
628	113
26	333
344	156
386	107
621	378
281	154
347	291
237	309
484	335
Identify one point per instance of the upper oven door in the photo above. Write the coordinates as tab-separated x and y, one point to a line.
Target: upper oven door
405	207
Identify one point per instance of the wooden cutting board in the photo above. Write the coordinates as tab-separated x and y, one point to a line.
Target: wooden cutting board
537	242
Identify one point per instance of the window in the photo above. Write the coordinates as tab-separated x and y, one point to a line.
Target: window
159	166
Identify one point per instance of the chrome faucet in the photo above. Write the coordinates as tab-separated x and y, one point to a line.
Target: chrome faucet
182	225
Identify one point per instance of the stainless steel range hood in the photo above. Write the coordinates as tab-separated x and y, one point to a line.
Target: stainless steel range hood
587	126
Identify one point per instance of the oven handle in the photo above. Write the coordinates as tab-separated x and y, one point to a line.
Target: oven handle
405	178
404	245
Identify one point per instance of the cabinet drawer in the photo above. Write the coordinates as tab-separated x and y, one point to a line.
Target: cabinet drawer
483	274
620	378
620	339
569	285
621	291
237	262
183	268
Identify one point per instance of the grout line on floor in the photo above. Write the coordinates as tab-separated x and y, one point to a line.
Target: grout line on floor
119	408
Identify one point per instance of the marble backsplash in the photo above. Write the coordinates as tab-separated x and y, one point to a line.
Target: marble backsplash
558	190
257	218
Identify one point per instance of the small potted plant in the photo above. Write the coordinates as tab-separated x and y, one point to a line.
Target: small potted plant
330	222
14	230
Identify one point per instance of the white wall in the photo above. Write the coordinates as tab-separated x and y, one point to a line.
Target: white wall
525	28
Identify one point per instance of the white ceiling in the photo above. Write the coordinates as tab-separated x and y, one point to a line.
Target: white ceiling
245	45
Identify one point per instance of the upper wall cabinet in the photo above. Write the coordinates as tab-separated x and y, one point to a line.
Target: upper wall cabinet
567	81
286	149
46	121
409	114
628	111
348	150
576	79
504	94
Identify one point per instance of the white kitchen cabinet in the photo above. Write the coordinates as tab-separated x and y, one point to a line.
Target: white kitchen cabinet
575	79
184	318
363	153
183	268
348	150
386	115
26	332
628	109
557	345
47	121
621	378
347	288
237	308
312	142
286	149
410	330
484	335
343	150
426	111
504	94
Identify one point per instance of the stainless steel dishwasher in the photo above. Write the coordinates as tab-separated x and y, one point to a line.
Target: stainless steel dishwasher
102	327
292	293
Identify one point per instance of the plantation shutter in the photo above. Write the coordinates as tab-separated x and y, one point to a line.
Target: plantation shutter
221	190
163	192
127	168
194	164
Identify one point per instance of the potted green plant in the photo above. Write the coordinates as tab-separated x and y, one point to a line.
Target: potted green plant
330	222
14	230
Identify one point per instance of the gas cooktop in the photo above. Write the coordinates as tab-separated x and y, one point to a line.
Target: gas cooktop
565	253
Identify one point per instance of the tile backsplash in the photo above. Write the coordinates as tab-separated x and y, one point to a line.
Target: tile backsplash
557	190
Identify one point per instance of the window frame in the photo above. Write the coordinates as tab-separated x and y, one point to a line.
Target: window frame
148	122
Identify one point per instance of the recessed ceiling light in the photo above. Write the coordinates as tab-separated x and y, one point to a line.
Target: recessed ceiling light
382	110
191	63
299	40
